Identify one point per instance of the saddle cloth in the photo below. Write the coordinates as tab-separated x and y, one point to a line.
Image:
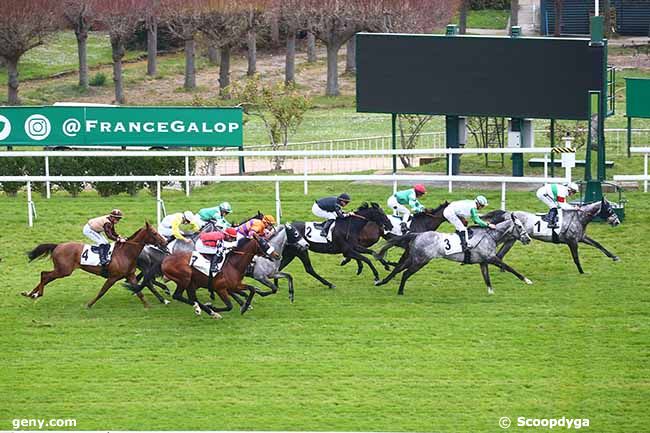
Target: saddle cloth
540	227
90	258
396	222
451	243
312	232
200	263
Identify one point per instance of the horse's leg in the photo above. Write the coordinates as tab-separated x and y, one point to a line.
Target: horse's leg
269	284
107	285
587	240
251	290
505	249
162	286
133	281
46	278
289	283
407	274
496	261
158	296
573	246
345	261
364	250
359	267
486	277
306	263
223	294
399	268
356	255
178	294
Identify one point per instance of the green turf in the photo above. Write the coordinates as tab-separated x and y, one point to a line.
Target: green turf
444	357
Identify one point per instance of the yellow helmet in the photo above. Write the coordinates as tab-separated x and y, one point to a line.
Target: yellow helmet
268	219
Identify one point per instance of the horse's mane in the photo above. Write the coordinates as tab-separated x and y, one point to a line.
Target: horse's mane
439	208
495	216
135	234
364	206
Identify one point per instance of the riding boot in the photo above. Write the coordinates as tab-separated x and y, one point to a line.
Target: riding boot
214	263
326	228
103	258
404	227
463	244
552	218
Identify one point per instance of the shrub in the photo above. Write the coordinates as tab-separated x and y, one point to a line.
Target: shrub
489	4
98	80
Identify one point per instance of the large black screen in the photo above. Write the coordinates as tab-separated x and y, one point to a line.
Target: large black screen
482	76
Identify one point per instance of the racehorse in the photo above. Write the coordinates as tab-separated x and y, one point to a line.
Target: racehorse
264	269
423	247
228	281
345	240
427	220
67	257
572	232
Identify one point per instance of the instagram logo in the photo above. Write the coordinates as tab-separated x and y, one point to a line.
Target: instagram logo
37	127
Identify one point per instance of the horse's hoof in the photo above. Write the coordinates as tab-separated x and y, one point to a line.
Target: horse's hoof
332	286
490	291
386	267
25	294
35	295
616	258
216	315
197	309
527	281
378	282
166	302
208	304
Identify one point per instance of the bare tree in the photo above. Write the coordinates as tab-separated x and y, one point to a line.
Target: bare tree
350	56
23	26
151	22
293	18
311	47
121	18
79	15
253	22
183	17
514	13
462	17
224	24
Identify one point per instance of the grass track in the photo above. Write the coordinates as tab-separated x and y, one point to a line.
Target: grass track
444	357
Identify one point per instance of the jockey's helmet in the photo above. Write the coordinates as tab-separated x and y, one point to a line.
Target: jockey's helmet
225	207
268	220
572	186
230	232
481	200
419	188
116	213
343	197
188	215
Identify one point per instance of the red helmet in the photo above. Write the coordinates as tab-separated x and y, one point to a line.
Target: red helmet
419	188
231	232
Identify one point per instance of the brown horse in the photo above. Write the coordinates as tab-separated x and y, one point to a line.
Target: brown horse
67	257
226	283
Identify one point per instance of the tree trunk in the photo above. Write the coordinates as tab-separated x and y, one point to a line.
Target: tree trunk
214	56
152	44
275	30
224	72
311	47
558	18
117	79
252	53
82	39
290	62
462	20
608	19
514	13
190	71
12	82
350	57
332	70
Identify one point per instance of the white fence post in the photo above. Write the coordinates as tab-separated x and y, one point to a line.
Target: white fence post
545	165
306	185
450	170
187	173
503	196
278	210
30	217
645	172
47	173
158	209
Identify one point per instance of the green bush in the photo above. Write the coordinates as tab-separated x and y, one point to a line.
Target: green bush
98	80
21	167
489	4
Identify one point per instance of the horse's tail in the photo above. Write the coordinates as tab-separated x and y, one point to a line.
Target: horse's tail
41	251
399	241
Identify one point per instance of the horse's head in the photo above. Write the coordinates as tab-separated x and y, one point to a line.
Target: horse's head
376	214
519	230
152	237
294	238
607	212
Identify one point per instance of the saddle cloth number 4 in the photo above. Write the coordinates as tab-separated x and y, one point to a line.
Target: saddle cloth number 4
91	258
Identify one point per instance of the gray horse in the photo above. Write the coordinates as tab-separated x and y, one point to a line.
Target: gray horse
423	247
264	269
572	231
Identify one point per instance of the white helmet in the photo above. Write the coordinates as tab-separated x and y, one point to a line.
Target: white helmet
188	215
481	200
572	186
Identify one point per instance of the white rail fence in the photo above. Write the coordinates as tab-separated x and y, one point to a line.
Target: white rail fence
645	151
305	177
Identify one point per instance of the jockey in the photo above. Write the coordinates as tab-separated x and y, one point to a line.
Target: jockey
409	197
330	208
256	226
217	214
103	224
457	214
555	195
169	227
211	244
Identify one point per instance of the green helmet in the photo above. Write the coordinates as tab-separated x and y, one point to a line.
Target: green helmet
481	200
225	206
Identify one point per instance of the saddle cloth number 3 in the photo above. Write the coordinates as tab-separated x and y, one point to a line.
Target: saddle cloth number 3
451	244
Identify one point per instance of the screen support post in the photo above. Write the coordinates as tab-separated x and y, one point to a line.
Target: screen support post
452	124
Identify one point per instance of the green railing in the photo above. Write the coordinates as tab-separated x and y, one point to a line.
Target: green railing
611	91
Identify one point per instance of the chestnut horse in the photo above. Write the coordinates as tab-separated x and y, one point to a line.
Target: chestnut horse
67	257
226	283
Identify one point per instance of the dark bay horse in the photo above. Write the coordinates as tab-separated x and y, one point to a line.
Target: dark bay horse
226	283
345	240
67	257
